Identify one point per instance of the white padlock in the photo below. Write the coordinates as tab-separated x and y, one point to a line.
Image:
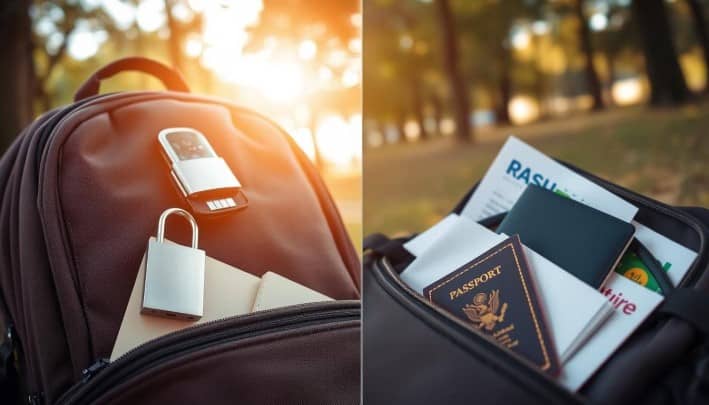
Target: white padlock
174	274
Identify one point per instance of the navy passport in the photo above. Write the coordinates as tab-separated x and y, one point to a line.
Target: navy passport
495	295
582	240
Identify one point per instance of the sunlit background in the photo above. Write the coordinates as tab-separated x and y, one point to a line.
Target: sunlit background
295	61
532	42
281	76
447	81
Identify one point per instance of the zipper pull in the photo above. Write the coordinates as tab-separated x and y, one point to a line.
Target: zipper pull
7	353
93	369
35	399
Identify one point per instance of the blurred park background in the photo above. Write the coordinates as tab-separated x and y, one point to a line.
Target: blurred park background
616	87
296	61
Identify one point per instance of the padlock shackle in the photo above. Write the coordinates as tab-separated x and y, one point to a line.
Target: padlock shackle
183	213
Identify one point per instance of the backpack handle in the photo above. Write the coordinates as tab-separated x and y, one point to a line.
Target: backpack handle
171	78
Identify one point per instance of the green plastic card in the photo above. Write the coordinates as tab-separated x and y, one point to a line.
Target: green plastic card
633	268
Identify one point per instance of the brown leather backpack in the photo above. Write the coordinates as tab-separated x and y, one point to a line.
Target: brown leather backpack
83	187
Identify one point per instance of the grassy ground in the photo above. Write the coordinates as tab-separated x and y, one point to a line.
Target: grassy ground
660	153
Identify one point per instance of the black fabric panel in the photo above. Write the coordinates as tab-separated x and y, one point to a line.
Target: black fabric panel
702	214
690	305
408	361
669	227
641	363
654	266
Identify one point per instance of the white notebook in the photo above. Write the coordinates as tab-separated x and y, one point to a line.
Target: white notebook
276	291
228	291
633	303
573	309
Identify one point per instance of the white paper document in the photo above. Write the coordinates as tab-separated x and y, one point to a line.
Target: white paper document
517	165
422	241
228	291
674	257
558	291
633	303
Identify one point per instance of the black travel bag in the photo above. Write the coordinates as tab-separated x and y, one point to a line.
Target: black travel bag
415	353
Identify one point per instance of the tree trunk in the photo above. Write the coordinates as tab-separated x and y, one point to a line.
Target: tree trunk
610	65
461	104
504	85
437	113
175	40
139	44
42	91
539	89
667	85
401	125
700	28
381	127
417	104
17	71
594	84
540	80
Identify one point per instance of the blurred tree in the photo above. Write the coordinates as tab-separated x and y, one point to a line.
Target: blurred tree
417	61
490	24
413	57
540	77
284	18
179	31
458	85
176	38
614	39
667	84
50	58
50	46
403	76
594	84
700	28
383	83
574	11
17	75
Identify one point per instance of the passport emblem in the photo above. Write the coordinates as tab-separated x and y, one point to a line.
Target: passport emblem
484	310
495	295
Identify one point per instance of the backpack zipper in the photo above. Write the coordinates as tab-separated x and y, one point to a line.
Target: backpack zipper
93	369
103	373
35	398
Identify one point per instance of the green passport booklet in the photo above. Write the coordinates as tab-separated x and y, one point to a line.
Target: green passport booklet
495	295
582	240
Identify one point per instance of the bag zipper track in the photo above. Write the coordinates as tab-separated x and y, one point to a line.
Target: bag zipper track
508	361
104	374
